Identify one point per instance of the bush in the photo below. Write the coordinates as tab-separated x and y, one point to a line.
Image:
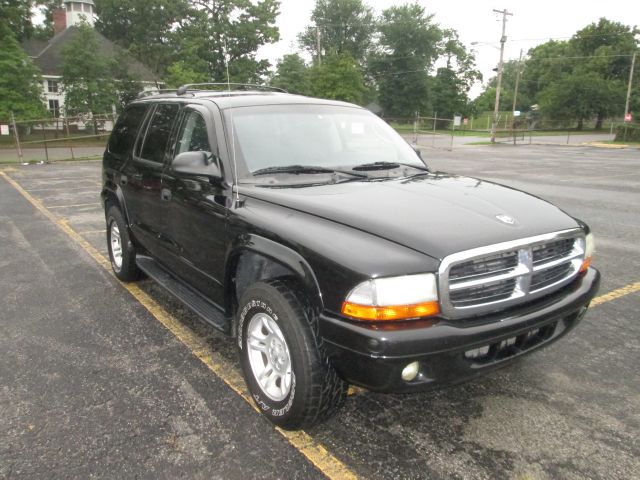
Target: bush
632	133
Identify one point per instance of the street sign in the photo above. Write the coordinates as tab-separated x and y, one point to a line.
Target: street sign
465	121
4	129
627	117
457	120
516	113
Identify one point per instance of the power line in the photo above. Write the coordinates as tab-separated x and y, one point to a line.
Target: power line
560	38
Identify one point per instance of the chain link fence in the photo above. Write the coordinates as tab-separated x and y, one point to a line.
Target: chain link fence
55	138
446	133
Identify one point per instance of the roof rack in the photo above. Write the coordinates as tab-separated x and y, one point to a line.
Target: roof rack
153	91
225	85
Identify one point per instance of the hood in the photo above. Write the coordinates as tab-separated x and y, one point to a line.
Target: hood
436	214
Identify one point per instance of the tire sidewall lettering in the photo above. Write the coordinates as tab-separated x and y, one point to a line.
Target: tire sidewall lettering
249	309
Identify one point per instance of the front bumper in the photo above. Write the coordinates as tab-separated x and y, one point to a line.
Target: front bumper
373	355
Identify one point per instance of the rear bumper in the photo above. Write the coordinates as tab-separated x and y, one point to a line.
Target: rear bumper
373	356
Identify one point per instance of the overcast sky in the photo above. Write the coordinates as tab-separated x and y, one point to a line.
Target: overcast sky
533	22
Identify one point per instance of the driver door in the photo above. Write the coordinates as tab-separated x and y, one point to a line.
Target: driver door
196	209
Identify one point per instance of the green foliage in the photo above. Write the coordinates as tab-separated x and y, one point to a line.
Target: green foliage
20	81
179	73
87	76
579	97
574	80
339	78
293	75
628	133
486	100
16	16
346	27
235	29
143	27
448	96
408	45
128	84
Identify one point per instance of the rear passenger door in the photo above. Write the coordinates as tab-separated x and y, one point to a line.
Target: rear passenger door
141	178
196	209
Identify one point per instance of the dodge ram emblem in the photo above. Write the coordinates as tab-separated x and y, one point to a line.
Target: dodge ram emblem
506	219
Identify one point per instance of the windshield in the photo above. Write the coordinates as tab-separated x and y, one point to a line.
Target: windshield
314	135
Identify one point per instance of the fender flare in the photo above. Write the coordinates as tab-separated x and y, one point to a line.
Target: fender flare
279	253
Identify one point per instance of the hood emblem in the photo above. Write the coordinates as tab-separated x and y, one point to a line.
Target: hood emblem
506	219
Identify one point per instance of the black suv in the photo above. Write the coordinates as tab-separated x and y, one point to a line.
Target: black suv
315	235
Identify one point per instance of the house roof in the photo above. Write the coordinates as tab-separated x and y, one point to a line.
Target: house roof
47	55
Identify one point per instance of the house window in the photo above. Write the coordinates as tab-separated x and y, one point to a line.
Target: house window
52	86
54	107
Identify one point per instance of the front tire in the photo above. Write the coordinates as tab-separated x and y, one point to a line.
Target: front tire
283	359
122	253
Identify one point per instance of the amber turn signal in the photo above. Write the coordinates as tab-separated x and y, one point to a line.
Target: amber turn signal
392	312
585	264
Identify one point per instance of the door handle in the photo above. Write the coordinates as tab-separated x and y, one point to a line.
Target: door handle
123	180
165	195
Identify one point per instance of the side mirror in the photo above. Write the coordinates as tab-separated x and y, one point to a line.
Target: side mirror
196	163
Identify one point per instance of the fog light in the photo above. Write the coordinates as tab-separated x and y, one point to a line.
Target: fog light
410	371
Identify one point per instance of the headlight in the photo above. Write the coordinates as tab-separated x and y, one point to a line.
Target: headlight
589	250
394	298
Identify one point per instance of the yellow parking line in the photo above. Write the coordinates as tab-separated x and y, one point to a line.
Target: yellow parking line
314	451
69	206
87	232
620	292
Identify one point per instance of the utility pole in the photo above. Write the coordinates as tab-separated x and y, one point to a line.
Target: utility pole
318	45
518	73
503	39
633	64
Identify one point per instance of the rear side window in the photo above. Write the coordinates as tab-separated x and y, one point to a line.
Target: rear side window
126	130
155	142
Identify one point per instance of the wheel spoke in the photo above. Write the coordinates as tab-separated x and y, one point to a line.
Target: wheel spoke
266	324
269	356
257	343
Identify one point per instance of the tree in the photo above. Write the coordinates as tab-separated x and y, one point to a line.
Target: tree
573	80
346	27
218	32
20	81
486	100
608	47
146	28
408	46
127	83
338	77
16	16
579	97
180	73
293	75
87	77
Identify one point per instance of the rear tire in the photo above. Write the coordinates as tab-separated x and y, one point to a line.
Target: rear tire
122	253
283	359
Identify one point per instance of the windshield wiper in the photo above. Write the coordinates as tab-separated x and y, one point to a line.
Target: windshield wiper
298	169
389	166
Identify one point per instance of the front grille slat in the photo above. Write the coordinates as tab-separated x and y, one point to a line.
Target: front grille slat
483	279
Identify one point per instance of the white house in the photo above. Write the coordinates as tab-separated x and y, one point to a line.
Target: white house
47	55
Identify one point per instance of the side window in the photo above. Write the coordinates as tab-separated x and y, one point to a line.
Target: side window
193	135
155	142
126	130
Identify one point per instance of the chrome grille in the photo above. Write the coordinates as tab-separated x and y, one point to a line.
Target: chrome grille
492	278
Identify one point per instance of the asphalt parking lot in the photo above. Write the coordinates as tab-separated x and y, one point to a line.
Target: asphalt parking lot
101	379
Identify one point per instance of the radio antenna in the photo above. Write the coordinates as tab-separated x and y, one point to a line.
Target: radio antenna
233	139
